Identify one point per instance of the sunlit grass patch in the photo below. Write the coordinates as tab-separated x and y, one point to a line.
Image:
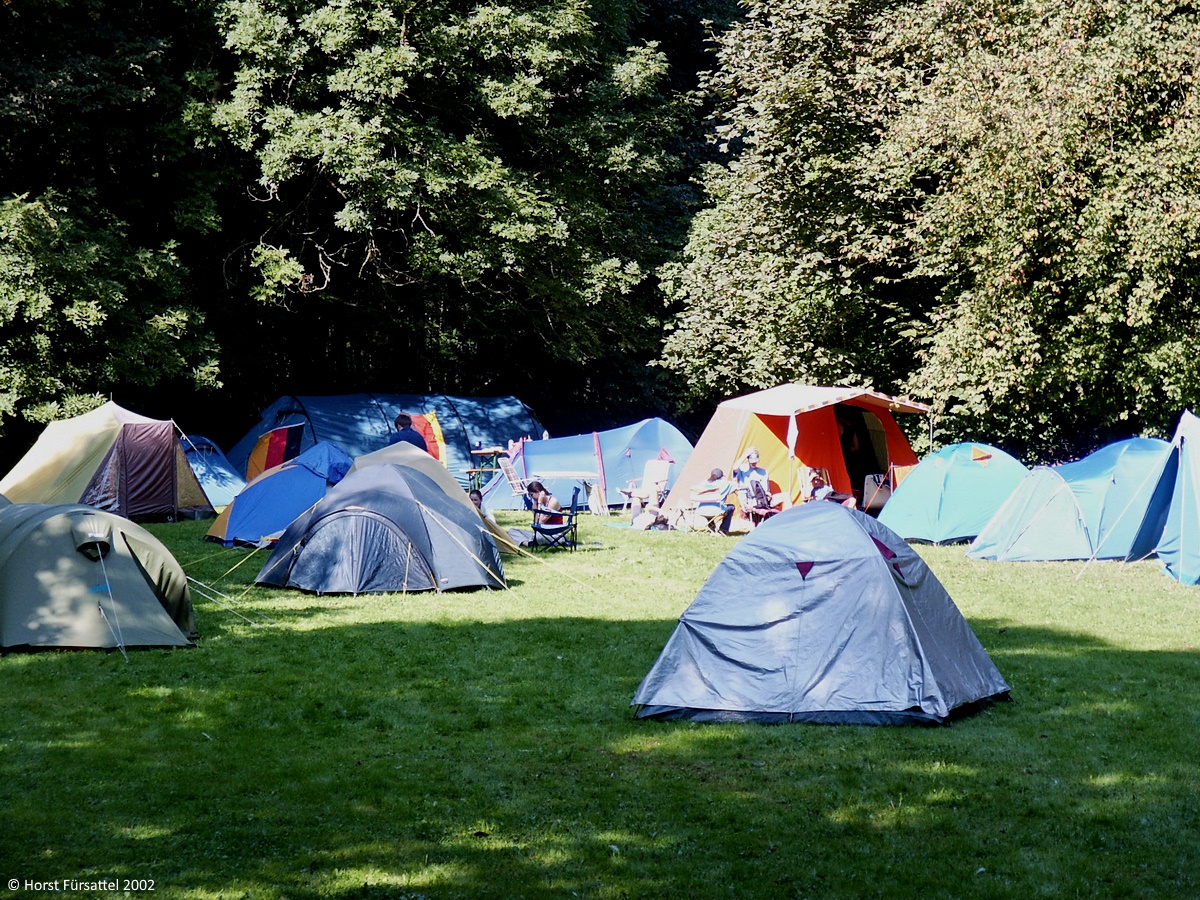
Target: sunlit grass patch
481	744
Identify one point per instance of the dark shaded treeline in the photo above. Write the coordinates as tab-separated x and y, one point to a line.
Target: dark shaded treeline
116	151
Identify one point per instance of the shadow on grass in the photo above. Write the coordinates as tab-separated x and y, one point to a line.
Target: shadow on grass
502	760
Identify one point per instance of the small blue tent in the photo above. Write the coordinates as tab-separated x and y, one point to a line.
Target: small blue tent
218	477
1089	509
821	614
362	423
952	493
269	503
1171	525
614	457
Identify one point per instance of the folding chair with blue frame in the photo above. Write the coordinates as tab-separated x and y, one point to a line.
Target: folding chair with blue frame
557	527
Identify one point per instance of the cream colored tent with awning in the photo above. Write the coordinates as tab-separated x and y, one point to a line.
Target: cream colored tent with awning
849	432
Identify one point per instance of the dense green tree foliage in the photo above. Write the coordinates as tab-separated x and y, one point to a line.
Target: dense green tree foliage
100	186
991	205
769	287
469	196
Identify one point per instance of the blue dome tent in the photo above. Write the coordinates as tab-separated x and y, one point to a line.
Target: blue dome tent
269	503
385	528
1088	509
216	474
1170	527
951	494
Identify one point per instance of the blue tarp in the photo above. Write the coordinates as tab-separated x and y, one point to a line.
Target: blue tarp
269	503
952	493
218	477
1089	509
622	458
362	423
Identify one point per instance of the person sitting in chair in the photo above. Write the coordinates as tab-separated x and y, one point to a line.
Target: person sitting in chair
547	511
545	503
822	491
711	499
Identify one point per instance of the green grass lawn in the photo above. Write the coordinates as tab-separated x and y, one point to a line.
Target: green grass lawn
482	745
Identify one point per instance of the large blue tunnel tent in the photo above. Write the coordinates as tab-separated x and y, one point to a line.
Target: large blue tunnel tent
361	423
821	614
614	457
1088	509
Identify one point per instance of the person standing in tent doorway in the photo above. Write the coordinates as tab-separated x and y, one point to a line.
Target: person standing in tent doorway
754	485
477	501
405	432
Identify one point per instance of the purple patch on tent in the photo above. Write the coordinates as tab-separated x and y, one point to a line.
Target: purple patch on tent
889	554
804	568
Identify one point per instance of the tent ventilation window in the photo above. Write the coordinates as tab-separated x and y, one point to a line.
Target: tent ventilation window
93	537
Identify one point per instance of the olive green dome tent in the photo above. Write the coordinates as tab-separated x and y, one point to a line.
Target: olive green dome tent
74	576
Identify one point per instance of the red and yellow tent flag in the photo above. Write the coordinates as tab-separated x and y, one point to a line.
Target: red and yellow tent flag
428	426
274	448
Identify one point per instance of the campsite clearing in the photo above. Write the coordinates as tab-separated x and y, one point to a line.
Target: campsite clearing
468	745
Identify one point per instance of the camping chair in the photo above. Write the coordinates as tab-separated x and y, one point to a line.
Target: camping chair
520	487
563	534
652	486
708	509
760	504
877	490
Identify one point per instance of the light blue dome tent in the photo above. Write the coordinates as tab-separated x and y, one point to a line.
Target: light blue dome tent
216	474
1171	524
1089	509
951	494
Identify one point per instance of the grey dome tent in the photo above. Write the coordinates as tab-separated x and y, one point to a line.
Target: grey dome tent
821	614
385	528
77	577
